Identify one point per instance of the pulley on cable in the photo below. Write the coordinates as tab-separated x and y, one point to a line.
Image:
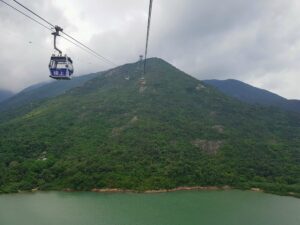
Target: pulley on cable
60	66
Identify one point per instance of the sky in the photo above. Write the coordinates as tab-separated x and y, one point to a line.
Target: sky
257	41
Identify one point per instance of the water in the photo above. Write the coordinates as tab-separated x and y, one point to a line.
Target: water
178	208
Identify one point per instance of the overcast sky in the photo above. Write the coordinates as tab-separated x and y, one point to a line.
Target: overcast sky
257	41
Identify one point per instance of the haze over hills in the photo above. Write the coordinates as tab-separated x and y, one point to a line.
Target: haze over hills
253	95
4	94
166	130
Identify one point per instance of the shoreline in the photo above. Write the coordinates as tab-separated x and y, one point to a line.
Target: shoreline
185	188
195	188
182	188
151	191
157	191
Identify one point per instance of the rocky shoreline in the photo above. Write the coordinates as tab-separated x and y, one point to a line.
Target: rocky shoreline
196	188
183	188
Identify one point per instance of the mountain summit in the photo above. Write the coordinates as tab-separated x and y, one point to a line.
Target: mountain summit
162	130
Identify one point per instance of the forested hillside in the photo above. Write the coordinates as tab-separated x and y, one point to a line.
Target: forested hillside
169	129
32	95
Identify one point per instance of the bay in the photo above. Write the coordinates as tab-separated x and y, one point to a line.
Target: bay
230	207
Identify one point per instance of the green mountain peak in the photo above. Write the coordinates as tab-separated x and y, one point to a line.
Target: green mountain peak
163	129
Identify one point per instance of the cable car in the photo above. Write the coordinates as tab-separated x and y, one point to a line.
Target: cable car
60	67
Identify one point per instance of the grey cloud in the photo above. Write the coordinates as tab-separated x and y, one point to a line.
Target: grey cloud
254	41
247	40
25	46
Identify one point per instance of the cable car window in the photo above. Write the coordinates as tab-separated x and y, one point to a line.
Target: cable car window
61	65
51	64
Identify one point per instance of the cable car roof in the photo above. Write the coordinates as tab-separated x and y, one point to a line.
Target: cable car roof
61	59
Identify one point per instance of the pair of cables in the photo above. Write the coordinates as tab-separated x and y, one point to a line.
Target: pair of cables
73	40
42	21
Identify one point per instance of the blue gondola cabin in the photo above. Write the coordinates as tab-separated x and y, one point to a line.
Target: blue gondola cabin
61	67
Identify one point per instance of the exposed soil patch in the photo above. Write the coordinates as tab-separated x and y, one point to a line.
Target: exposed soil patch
118	130
218	128
208	146
200	87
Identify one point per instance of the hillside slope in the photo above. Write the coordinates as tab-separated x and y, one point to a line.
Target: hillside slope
168	130
4	94
253	95
32	95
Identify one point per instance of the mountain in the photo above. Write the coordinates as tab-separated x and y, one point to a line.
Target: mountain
4	94
253	95
165	130
39	92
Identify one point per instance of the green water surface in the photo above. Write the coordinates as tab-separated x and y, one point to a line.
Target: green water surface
177	208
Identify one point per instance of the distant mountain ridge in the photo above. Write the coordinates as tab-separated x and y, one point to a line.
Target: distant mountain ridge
5	94
231	87
31	95
253	95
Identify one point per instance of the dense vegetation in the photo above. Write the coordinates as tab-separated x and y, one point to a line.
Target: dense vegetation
170	130
33	94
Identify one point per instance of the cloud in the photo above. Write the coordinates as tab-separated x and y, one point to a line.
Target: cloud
25	46
253	41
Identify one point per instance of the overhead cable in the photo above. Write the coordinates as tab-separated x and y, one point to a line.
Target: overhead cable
82	48
26	15
34	13
104	58
148	33
91	51
44	26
